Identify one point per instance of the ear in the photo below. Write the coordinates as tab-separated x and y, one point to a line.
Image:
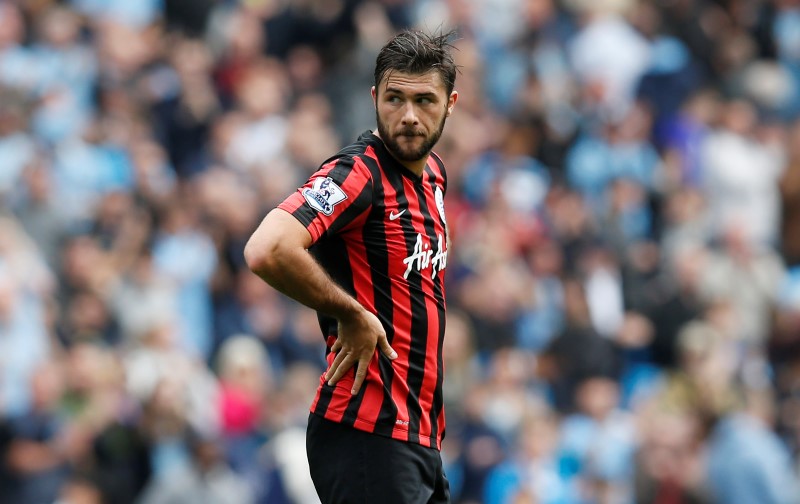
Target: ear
451	101
374	96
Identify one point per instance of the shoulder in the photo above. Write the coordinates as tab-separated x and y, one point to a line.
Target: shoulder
346	169
437	165
352	157
437	161
354	150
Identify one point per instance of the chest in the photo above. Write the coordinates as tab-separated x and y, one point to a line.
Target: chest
408	220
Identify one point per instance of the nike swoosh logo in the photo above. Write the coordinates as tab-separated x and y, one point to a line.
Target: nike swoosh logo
393	216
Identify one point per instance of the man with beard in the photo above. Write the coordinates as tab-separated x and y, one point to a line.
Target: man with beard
372	218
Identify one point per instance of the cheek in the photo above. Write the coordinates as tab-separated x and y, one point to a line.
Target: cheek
386	113
435	118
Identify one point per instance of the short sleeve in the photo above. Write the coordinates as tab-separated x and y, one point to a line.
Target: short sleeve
335	198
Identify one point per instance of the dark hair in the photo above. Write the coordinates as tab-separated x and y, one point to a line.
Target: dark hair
416	52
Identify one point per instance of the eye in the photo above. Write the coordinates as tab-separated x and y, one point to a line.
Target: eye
393	99
424	101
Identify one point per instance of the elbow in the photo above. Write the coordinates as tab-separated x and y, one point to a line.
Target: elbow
260	255
275	245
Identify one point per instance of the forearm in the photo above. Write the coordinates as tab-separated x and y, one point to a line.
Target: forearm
277	253
296	274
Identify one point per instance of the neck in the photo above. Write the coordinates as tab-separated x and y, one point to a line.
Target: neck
416	167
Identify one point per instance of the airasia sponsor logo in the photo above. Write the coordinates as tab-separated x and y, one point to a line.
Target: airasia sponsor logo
425	257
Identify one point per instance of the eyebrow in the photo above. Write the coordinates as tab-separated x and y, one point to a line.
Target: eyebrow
426	94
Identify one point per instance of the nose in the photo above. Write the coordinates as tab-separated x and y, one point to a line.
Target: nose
410	115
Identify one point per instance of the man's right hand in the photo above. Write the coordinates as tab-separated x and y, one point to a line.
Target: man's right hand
358	338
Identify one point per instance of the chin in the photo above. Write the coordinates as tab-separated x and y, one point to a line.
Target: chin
411	156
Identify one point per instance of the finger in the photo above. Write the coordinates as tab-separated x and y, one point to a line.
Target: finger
337	361
361	374
386	348
337	345
342	368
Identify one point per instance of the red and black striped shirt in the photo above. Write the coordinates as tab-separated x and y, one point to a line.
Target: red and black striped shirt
380	232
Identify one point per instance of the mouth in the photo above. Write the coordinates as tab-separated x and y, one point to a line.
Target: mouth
409	135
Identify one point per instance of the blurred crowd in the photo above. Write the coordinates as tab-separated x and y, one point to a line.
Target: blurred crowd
623	286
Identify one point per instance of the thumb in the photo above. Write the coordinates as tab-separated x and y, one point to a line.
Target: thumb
387	350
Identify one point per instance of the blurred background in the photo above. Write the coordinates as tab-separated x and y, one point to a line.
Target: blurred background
623	285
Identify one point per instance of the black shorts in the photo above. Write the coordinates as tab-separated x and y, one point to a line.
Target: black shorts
350	466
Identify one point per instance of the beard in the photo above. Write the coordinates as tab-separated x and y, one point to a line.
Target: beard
406	154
